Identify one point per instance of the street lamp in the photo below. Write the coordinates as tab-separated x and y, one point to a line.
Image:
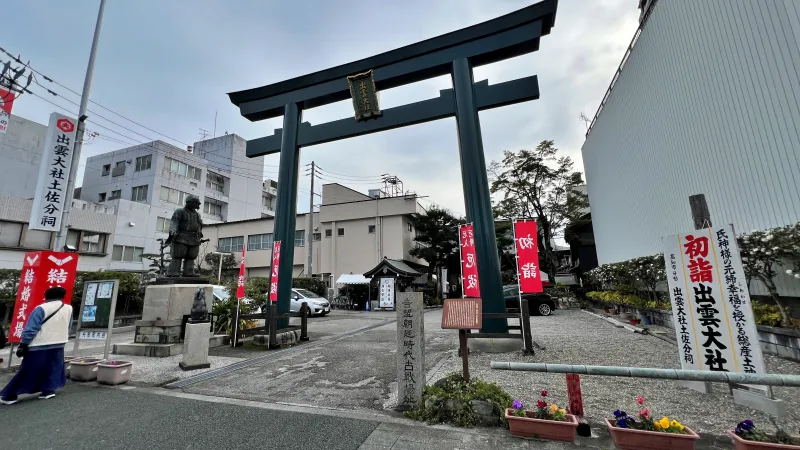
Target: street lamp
219	272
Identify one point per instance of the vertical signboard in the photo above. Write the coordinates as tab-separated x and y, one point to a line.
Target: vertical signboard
6	103
715	326
387	293
96	317
273	280
51	196
40	271
469	261
527	247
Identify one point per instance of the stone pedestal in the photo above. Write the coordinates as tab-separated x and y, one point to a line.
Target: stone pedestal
167	303
410	349
195	346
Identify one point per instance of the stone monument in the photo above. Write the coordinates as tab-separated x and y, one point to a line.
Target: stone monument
195	342
410	349
169	300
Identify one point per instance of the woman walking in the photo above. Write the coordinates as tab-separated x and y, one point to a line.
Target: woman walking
42	350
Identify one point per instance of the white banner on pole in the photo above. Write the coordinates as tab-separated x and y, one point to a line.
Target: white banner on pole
387	293
713	316
51	187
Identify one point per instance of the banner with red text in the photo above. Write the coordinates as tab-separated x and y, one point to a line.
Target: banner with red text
273	280
40	271
241	281
6	104
469	262
527	246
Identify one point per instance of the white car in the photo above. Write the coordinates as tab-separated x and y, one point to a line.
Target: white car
221	294
316	304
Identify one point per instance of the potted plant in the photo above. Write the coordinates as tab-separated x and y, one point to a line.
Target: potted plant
747	436
634	321
649	434
114	372
548	421
84	369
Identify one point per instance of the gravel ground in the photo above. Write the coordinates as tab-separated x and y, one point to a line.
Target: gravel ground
575	337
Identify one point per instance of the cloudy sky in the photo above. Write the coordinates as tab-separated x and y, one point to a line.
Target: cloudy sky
168	65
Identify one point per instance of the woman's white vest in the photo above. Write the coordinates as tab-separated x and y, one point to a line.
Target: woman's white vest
55	330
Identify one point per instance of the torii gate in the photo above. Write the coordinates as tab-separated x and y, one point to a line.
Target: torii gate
454	53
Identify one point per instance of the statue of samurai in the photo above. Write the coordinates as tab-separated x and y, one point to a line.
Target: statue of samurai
185	236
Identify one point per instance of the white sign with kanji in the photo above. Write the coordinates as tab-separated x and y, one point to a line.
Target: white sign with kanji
51	195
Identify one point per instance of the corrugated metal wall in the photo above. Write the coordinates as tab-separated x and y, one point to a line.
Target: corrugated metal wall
708	102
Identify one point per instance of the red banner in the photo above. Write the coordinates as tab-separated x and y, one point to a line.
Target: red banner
469	261
240	282
40	271
527	244
6	103
273	281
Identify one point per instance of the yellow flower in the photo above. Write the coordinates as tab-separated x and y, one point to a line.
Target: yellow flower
562	411
677	425
553	407
664	422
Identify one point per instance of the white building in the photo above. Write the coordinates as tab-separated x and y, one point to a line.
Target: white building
21	153
705	102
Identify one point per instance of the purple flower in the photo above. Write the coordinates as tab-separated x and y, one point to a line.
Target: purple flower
622	423
619	414
517	404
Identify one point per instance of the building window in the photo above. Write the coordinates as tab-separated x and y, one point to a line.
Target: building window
192	184
340	231
143	163
170	195
328	233
126	253
87	241
213	209
316	237
183	169
119	169
215	182
106	170
259	241
230	244
267	201
115	195
101	197
410	227
300	238
162	225
38	239
10	234
139	194
371	229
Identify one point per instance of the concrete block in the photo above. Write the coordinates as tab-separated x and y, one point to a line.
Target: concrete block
172	301
769	348
151	350
219	340
195	347
505	345
789	353
744	397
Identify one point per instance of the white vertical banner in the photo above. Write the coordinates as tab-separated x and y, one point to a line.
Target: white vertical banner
387	293
51	187
714	321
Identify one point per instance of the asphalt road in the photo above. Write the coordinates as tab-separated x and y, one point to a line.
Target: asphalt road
89	417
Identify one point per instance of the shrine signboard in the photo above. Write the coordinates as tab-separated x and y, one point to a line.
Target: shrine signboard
462	314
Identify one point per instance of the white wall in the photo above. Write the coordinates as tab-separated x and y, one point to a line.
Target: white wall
706	103
21	155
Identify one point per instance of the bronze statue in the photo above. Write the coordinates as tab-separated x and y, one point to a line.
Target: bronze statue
199	308
185	236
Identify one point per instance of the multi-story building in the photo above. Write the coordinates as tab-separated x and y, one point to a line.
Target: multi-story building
352	233
704	102
21	151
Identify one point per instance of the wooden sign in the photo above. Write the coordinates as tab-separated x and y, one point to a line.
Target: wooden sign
462	314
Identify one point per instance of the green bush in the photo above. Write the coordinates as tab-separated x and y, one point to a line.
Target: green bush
453	388
632	301
314	285
770	316
225	311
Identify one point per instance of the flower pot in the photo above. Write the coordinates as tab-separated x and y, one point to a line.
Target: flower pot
84	369
744	444
633	321
612	311
67	365
114	372
606	309
629	439
542	429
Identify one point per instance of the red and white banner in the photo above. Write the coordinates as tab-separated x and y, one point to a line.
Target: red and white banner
241	280
526	239
40	271
273	281
6	103
469	262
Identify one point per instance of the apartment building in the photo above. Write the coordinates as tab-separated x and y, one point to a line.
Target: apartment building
352	232
21	152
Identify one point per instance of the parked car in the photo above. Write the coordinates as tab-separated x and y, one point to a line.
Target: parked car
539	303
316	304
221	294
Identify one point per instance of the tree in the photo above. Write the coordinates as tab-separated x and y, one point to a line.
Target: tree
437	236
156	268
541	185
229	267
9	283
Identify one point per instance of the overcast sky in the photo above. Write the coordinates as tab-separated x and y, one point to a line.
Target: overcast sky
169	64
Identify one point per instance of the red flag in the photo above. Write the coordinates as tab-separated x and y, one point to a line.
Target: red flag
240	287
40	271
527	246
273	282
469	262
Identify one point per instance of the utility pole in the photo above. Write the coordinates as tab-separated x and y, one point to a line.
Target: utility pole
311	222
61	237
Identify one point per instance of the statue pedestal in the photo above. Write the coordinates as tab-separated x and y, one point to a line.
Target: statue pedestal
167	304
195	346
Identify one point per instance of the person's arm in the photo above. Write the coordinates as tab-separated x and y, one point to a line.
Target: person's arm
33	326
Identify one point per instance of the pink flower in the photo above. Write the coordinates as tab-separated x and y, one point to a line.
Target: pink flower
544	393
645	413
640	400
541	404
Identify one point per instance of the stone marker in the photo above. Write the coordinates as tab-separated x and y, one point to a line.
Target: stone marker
410	349
195	346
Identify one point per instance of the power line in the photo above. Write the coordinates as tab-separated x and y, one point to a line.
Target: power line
381	176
